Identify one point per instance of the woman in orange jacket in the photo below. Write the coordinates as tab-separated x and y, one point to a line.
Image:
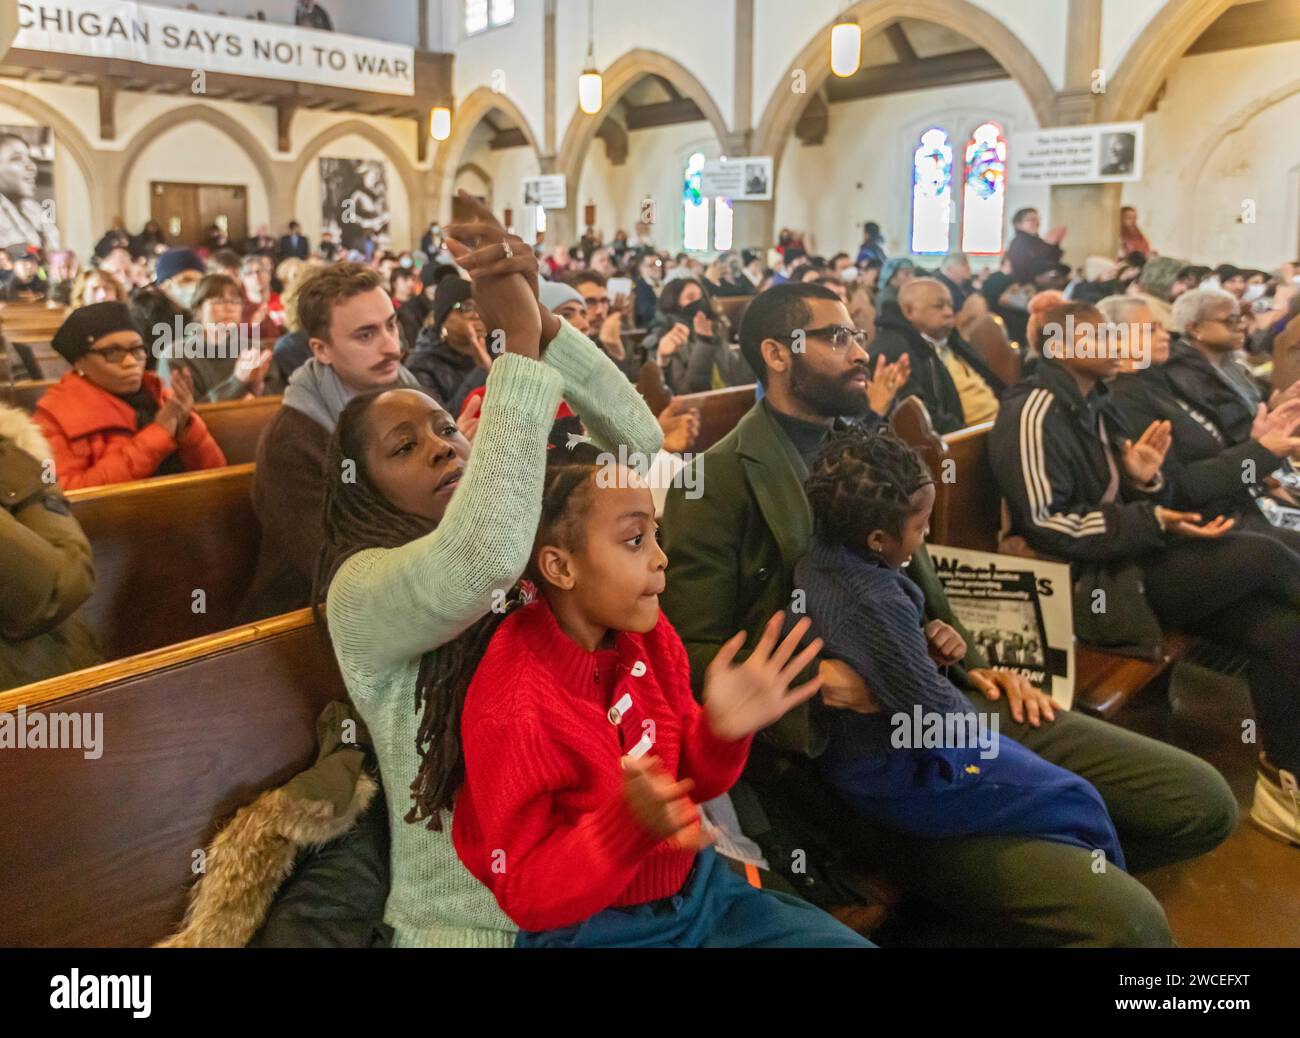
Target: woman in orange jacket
110	421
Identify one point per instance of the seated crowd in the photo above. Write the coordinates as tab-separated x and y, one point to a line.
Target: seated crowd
594	730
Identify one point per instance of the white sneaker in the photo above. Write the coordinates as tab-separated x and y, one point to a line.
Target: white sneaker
1276	809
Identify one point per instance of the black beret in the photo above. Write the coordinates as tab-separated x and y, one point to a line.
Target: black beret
450	293
87	324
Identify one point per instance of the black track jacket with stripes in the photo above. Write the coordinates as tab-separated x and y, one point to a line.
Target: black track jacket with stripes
1050	464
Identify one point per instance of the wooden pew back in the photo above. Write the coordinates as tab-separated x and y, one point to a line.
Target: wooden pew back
720	411
24	394
159	542
99	853
988	337
237	425
733	308
967	505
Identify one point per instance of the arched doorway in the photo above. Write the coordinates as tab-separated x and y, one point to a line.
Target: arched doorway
624	76
482	117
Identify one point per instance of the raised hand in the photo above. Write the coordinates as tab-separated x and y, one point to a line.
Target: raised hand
662	806
673	340
741	700
681	425
1142	460
470	416
885	383
503	271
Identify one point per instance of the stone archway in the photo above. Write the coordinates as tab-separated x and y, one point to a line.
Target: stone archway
619	78
784	109
68	135
469	112
1146	64
236	131
474	169
399	160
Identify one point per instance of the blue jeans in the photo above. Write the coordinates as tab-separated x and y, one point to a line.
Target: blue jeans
714	909
945	792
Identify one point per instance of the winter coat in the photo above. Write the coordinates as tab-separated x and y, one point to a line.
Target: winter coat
699	365
95	439
1211	429
1050	465
930	379
46	568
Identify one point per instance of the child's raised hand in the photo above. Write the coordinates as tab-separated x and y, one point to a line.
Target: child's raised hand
741	700
661	805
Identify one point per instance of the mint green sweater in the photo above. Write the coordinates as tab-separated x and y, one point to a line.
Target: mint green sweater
387	608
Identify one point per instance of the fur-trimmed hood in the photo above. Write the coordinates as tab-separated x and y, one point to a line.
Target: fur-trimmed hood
18	426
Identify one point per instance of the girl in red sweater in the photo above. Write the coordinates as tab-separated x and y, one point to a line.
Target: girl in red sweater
585	753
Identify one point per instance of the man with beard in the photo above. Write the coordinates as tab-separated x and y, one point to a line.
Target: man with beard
733	549
22	219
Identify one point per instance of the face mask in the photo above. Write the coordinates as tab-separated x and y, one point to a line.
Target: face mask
183	295
1254	292
849	274
700	306
406	262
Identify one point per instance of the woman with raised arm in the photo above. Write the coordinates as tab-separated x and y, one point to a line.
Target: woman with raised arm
424	541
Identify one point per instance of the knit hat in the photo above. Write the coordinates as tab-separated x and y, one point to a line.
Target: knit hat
451	292
87	325
177	261
892	267
555	294
1158	276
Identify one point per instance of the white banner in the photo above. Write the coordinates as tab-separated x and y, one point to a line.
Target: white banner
549	192
1103	154
173	38
740	180
1019	611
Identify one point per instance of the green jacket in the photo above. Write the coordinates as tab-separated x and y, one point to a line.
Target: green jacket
732	553
46	570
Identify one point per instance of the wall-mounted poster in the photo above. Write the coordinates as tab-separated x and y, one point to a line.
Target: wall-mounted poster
1102	154
1019	611
27	213
550	192
354	202
741	180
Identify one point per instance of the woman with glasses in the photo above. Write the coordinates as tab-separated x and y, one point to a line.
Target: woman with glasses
226	357
110	421
686	338
451	354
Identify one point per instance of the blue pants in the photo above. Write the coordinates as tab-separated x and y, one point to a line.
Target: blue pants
715	909
953	792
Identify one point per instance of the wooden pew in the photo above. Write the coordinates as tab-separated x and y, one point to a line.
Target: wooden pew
967	514
237	425
156	543
25	394
733	308
99	853
988	337
720	411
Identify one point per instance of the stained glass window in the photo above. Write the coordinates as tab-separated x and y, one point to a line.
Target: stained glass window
985	196
931	193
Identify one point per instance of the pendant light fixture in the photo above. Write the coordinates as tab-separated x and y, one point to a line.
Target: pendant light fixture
846	47
440	123
591	87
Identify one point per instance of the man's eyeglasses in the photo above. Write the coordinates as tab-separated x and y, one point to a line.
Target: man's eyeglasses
1234	321
467	309
116	354
839	337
